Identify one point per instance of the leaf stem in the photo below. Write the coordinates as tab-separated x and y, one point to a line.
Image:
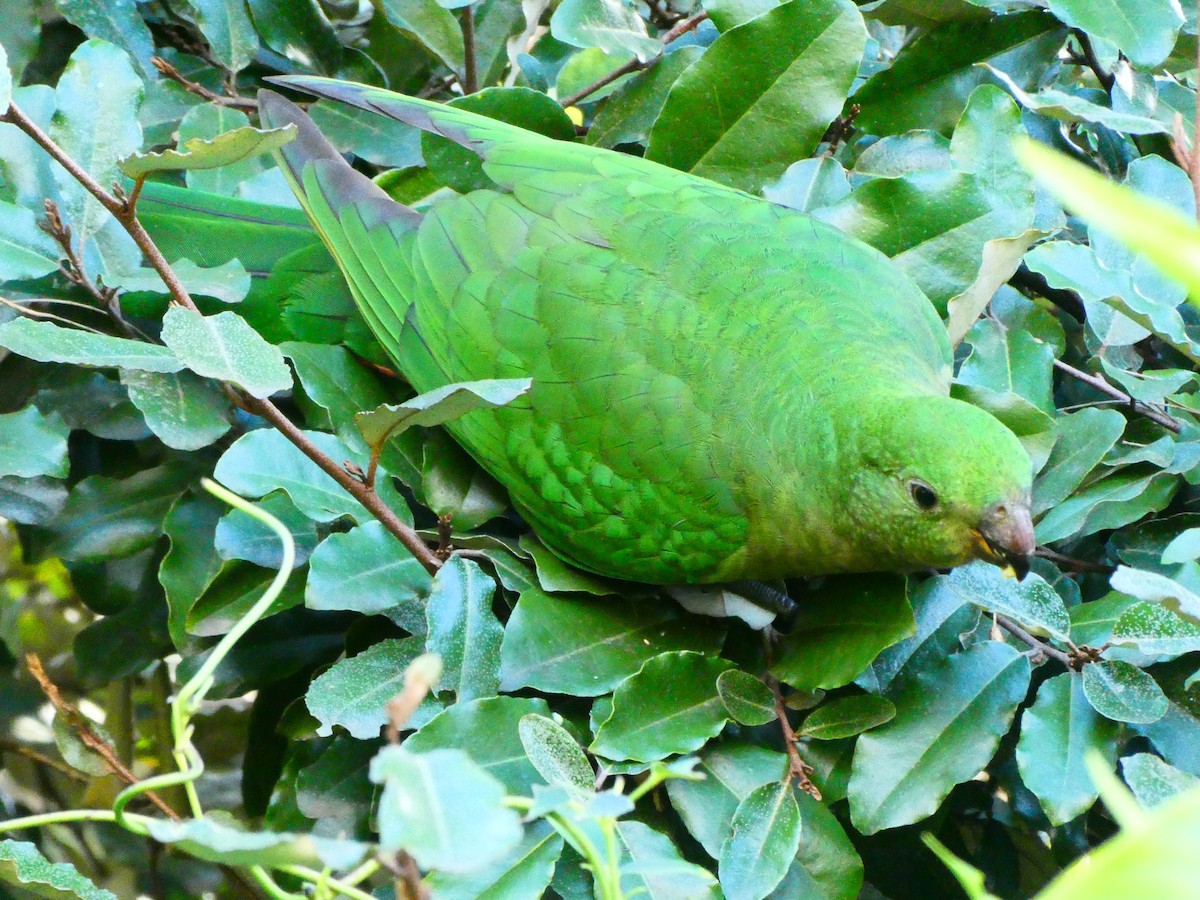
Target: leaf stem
470	81
1040	646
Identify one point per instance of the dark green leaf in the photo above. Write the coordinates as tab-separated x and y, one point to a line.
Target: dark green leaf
648	724
610	25
1155	630
184	410
241	536
847	717
774	83
746	698
1144	30
432	25
1030	601
230	34
586	647
842	626
1084	438
1058	732
653	867
118	21
631	111
524	873
949	720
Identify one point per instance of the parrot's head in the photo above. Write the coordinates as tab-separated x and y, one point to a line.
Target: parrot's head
939	482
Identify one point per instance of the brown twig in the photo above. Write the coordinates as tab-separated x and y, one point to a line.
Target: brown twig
470	79
445	528
125	213
168	71
83	729
1106	79
797	767
11	746
1145	409
634	65
1070	660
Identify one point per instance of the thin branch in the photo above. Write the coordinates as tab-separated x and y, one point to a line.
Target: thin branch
87	734
1145	409
120	207
1039	645
634	65
1073	564
470	80
10	746
797	767
1106	79
168	71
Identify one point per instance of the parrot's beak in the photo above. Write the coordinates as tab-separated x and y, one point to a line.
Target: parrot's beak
1005	537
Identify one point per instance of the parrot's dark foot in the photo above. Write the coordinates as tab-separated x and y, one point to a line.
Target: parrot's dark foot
798	769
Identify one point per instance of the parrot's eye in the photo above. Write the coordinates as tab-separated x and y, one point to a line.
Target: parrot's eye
922	494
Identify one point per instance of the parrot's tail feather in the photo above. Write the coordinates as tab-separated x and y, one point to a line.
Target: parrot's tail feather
476	133
341	184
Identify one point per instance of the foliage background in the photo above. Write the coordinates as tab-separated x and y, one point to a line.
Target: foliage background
961	705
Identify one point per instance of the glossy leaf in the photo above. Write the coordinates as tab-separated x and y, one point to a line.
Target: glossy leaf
556	755
201	153
586	647
47	342
437	407
24	867
746	698
653	867
226	26
841	627
847	716
610	25
523	873
777	82
1144	30
184	410
463	630
1030	601
949	720
1058	732
225	347
208	838
646	724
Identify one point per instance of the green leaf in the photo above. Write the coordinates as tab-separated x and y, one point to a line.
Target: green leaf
23	866
1115	501
430	24
235	148
25	250
185	411
240	535
776	83
1155	588
949	720
841	627
613	26
1058	732
747	700
95	124
524	872
556	755
368	571
442	808
809	184
300	31
970	879
215	841
763	839
847	716
463	630
1154	781
32	444
438	406
226	348
490	731
228	282
648	724
192	562
653	867
454	485
586	647
369	136
1155	630
1031	601
1123	692
201	153
556	576
5	82
231	595
1144	30
1071	108
335	788
1084	438
226	26
585	68
631	110
47	342
110	518
31	501
928	85
354	693
118	21
264	460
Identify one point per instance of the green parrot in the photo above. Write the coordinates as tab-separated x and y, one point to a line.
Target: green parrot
722	388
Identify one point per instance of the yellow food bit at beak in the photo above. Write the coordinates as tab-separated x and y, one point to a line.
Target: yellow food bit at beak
575	114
